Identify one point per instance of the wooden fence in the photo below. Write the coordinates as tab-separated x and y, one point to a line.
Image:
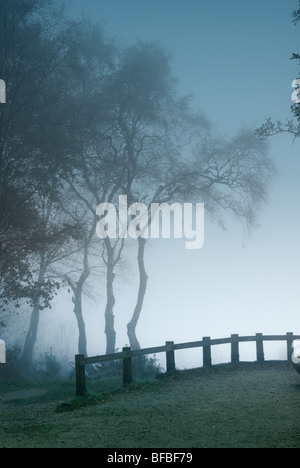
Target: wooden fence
170	347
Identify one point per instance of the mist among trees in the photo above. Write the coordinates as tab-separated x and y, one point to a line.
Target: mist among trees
87	120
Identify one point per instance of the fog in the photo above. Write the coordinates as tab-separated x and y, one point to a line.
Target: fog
234	59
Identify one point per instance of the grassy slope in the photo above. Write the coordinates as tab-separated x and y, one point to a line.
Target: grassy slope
241	406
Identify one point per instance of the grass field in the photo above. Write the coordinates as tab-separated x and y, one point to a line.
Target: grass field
247	405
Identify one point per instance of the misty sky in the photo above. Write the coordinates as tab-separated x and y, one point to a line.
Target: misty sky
233	56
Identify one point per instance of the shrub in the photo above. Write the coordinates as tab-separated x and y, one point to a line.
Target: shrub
47	364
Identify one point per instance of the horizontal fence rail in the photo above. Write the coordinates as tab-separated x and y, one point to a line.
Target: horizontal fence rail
170	347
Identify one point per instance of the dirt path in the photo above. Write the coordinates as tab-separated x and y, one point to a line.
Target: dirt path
241	408
22	394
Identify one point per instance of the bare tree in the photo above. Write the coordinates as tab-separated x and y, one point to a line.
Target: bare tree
53	238
93	187
77	268
170	155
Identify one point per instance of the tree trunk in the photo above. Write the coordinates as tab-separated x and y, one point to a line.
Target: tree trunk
31	337
82	340
110	300
131	326
77	289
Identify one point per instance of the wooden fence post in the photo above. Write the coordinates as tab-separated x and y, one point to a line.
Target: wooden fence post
289	342
235	357
80	375
170	357
260	357
127	367
206	351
